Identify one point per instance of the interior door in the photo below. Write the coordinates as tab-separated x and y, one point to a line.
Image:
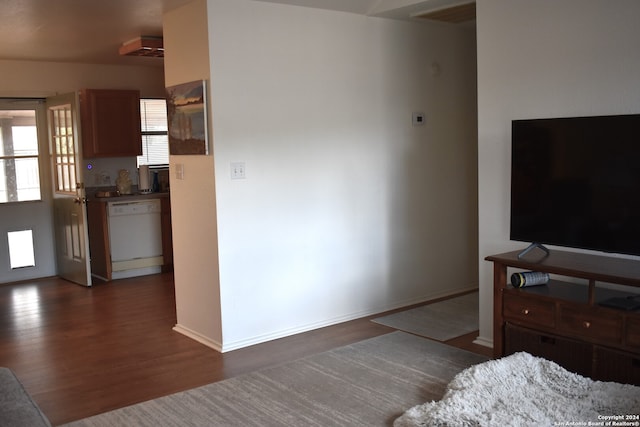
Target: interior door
69	201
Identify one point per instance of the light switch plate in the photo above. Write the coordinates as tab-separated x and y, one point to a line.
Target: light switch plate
238	170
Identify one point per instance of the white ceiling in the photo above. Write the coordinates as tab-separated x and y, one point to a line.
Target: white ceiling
91	31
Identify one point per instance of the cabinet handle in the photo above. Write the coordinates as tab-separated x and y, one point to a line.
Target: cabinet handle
525	311
586	324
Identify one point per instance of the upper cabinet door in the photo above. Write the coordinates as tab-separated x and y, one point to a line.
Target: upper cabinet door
110	122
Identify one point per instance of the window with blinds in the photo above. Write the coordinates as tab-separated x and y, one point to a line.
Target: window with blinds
155	140
19	156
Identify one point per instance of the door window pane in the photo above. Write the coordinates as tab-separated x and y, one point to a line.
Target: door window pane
62	138
20	173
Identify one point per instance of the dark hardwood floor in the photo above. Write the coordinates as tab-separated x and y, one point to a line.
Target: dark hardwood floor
83	351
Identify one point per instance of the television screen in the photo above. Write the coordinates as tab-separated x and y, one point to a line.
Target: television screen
575	182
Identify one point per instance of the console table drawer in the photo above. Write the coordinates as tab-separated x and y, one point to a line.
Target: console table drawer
612	365
633	333
574	355
590	324
529	310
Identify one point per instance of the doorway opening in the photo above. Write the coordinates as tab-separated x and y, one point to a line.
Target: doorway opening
27	241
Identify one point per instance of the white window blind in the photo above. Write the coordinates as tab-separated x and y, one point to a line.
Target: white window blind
155	140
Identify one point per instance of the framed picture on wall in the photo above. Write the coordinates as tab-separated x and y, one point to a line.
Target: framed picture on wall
187	118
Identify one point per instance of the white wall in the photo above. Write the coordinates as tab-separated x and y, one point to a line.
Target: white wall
347	209
32	79
543	59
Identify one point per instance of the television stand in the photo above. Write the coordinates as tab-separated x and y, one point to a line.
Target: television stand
566	321
531	247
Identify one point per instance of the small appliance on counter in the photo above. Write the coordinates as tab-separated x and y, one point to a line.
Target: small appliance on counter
156	183
143	179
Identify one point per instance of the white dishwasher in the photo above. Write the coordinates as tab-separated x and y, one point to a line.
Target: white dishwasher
135	236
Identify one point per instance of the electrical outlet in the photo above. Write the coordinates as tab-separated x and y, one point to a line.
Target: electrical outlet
238	170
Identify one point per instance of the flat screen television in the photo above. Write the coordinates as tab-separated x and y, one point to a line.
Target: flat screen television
575	182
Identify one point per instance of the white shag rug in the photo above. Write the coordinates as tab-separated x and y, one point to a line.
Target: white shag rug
523	390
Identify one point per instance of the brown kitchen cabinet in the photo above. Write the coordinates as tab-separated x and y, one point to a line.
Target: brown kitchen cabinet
564	321
99	248
167	240
110	123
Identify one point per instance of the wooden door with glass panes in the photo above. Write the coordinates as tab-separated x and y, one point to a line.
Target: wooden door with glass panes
69	201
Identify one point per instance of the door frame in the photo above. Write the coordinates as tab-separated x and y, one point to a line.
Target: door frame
36	215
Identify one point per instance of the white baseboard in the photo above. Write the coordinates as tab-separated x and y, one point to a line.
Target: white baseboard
198	337
288	332
483	342
336	320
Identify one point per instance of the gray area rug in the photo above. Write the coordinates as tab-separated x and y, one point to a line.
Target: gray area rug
440	321
521	391
369	383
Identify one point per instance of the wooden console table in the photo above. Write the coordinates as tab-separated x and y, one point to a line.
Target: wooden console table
564	321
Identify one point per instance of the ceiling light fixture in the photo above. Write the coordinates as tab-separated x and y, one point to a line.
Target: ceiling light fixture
143	46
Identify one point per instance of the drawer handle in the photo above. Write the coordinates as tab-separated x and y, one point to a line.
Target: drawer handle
586	324
525	311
